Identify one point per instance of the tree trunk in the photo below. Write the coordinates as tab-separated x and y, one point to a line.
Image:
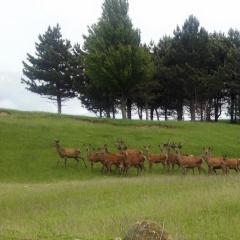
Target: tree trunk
146	110
140	112
201	111
157	113
100	112
59	104
108	113
165	113
192	110
151	113
113	112
129	108
216	109
232	108
208	111
123	108
180	112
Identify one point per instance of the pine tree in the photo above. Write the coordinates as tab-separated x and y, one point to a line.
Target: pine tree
51	72
115	61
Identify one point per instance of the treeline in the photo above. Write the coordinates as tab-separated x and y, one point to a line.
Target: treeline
192	73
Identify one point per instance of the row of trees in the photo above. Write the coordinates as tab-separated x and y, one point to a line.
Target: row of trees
193	72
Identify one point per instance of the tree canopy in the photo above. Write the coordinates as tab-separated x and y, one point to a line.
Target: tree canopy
192	73
51	72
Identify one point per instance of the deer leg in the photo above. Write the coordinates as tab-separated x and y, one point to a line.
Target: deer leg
58	162
137	170
150	166
236	170
84	162
214	170
199	170
108	168
168	166
103	167
164	165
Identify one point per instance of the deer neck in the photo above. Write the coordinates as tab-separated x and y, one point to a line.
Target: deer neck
59	149
146	154
178	155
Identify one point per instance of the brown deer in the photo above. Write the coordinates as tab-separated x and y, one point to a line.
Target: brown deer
92	155
214	162
232	163
66	153
132	157
111	159
154	158
189	162
172	158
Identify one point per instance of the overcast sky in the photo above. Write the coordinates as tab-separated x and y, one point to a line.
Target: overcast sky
21	21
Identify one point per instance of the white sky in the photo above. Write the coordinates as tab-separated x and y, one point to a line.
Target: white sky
21	21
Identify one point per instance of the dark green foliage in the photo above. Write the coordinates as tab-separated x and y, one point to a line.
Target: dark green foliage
114	59
51	72
193	73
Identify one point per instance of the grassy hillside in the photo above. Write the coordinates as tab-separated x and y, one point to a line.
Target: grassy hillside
28	155
40	201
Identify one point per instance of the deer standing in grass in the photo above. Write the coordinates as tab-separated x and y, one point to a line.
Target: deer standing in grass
132	157
92	155
111	159
232	163
154	158
68	153
172	158
214	162
189	162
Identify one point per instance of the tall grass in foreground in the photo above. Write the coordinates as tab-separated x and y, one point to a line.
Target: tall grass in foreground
191	207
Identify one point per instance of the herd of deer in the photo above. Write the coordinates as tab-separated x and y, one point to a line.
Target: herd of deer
170	156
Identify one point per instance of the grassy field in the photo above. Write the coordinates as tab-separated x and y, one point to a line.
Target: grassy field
40	201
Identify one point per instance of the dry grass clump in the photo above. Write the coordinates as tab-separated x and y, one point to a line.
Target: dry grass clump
3	114
147	230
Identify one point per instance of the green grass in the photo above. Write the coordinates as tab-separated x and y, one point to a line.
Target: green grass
40	201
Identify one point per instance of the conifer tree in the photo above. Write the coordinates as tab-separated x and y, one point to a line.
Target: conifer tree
51	73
